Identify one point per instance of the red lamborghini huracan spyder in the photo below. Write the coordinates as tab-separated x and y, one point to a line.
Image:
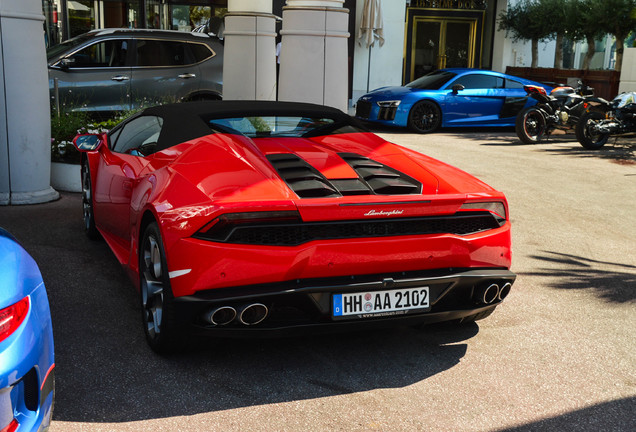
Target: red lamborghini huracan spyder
265	217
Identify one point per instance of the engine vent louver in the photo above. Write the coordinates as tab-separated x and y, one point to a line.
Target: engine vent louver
373	178
351	187
304	180
382	179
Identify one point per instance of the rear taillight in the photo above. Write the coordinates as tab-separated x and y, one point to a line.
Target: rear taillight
495	207
11	427
532	89
221	227
12	316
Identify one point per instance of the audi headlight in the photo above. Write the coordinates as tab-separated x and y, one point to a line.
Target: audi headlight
389	104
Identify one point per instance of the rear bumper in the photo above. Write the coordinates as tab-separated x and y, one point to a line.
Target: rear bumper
199	266
300	306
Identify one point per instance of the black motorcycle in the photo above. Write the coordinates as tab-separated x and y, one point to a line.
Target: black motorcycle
608	118
561	109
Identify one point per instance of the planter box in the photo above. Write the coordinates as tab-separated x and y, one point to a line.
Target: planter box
604	82
66	177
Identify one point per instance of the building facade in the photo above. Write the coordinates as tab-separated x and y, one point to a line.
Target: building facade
419	35
68	18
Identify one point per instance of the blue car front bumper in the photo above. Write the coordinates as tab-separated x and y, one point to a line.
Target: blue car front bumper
27	369
388	114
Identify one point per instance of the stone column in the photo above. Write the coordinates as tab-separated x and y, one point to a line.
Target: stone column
25	122
503	53
313	60
249	62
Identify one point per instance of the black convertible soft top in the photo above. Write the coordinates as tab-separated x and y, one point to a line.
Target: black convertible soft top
189	120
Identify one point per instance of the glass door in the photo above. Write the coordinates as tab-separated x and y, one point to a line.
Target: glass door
427	47
442	43
458	47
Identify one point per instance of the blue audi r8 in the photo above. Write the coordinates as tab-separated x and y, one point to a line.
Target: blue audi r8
26	342
449	98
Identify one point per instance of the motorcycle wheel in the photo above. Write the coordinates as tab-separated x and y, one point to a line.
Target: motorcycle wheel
586	136
530	125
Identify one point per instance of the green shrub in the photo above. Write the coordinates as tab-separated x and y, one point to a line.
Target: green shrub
63	130
69	124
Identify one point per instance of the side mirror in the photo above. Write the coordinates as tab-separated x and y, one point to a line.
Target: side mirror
457	88
66	63
88	142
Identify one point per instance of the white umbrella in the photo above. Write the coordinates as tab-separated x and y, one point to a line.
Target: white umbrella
371	29
371	25
77	6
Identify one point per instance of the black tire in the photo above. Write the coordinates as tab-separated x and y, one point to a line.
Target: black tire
425	117
585	136
87	203
155	294
530	125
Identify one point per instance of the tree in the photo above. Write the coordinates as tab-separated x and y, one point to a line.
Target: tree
526	21
556	15
586	19
620	21
578	20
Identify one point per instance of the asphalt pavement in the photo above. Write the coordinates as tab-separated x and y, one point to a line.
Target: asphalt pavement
559	354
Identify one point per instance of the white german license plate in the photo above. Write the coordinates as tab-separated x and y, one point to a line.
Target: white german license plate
381	303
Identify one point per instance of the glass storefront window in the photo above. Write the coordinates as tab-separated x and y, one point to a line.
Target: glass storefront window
65	19
118	14
81	16
155	16
52	28
569	52
598	59
187	18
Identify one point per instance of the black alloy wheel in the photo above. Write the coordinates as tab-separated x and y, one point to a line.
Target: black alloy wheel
586	134
156	297
87	203
530	125
425	117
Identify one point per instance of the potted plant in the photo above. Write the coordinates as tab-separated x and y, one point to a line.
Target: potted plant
65	159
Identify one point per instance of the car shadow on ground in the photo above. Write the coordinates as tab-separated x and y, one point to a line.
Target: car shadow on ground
608	416
613	282
511	140
495	136
105	372
620	150
118	378
461	132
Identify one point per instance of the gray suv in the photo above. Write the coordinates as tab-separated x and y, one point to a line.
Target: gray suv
111	70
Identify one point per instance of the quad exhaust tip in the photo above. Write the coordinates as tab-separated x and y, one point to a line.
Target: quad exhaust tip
249	314
504	291
221	316
253	314
490	293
